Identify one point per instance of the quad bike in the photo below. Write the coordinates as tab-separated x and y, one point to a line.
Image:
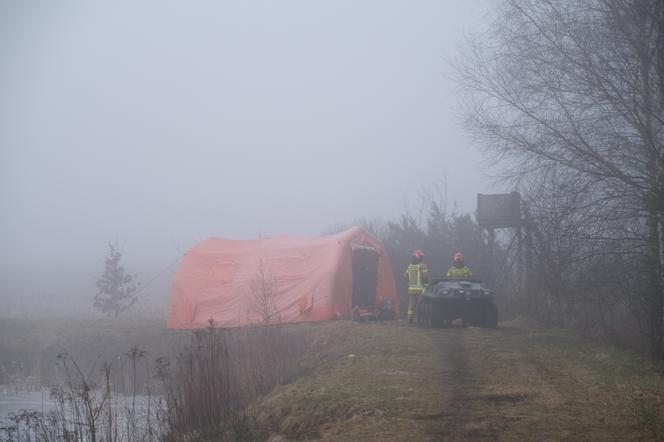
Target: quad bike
449	299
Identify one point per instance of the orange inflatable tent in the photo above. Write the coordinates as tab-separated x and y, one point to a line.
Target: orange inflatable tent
279	280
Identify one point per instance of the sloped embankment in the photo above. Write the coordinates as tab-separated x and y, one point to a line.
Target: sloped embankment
389	381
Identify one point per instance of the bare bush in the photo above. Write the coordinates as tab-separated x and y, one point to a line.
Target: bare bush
84	409
211	385
263	289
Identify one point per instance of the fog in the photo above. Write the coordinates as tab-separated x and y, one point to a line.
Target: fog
158	124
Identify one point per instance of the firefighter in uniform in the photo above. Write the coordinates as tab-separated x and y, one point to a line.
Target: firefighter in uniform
459	269
417	278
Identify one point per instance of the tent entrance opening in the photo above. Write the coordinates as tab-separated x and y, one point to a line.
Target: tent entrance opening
365	276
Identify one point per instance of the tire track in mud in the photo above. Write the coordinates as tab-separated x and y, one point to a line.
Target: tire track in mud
456	378
504	385
461	388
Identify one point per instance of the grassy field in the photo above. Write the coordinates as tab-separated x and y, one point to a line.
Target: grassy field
29	347
392	381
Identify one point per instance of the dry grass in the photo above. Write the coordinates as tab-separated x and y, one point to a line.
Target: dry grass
468	384
558	386
387	381
207	379
210	385
373	383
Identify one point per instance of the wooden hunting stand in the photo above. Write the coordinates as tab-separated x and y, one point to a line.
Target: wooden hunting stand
504	211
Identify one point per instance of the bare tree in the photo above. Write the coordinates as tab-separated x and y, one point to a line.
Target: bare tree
564	94
263	293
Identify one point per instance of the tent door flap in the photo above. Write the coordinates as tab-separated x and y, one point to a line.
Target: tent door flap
365	276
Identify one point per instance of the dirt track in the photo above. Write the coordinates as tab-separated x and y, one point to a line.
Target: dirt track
517	384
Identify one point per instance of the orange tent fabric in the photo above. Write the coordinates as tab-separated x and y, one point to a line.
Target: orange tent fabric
295	279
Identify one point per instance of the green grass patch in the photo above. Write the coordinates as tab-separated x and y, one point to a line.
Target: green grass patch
380	381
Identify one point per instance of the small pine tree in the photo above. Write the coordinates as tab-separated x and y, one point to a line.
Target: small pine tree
116	288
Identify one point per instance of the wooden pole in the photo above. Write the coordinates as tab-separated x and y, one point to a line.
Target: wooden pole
490	246
520	267
530	289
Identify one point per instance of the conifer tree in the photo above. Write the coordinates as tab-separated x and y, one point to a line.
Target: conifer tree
116	289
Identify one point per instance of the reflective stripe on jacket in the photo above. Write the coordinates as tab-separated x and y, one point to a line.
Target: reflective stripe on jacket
416	275
459	272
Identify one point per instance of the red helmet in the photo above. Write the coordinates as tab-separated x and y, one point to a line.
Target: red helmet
418	254
458	257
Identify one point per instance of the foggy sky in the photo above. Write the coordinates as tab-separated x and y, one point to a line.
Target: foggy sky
159	124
